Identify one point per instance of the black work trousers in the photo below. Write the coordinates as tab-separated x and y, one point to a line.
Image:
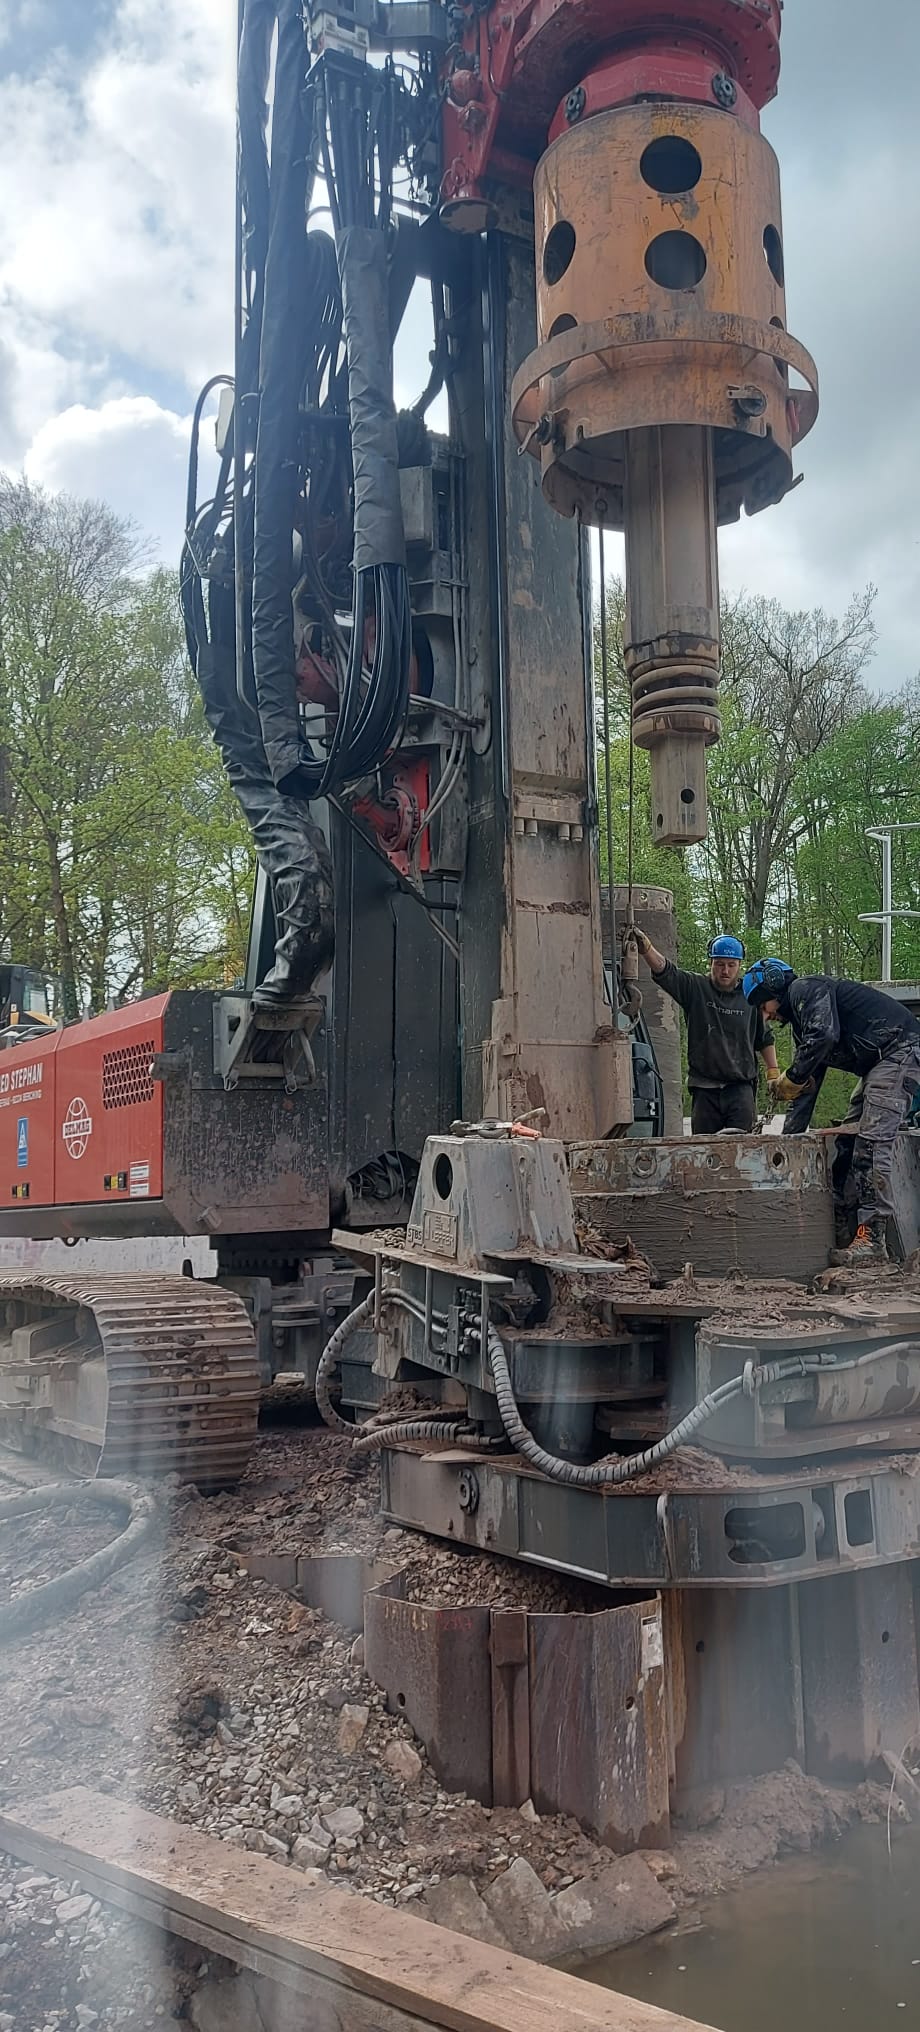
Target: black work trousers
716	1108
879	1107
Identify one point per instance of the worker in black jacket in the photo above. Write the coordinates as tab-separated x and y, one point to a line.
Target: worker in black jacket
724	1035
856	1029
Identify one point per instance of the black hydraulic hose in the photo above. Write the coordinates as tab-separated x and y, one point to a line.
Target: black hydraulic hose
292	275
602	1474
191	498
60	1593
328	1363
300	297
447	1427
608	1474
451	1432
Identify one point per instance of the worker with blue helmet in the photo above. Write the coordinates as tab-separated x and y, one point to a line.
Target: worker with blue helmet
854	1028
725	1035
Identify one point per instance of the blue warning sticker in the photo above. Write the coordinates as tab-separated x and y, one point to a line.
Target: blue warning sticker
22	1142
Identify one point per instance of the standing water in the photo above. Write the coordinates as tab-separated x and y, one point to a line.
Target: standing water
815	1946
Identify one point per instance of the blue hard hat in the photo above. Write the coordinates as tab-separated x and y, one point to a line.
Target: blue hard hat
725	948
766	979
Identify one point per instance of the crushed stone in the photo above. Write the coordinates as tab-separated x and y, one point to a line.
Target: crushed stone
204	1693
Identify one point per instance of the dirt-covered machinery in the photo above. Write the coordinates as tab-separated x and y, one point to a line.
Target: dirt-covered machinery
359	623
427	1080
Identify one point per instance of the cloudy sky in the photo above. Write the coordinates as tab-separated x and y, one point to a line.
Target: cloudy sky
116	167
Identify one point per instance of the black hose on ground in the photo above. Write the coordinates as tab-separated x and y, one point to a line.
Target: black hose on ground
27	1610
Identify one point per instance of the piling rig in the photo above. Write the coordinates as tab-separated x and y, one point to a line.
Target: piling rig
664	394
425	1094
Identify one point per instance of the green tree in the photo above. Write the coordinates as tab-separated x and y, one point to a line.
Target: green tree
185	878
790	682
124	863
809	759
866	775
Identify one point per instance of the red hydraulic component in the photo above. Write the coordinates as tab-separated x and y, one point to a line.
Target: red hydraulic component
658	400
514	66
316	685
394	818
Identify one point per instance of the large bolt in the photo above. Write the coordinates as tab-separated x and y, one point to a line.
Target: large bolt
468	1492
724	90
575	105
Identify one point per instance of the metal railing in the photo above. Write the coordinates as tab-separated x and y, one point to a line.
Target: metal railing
886	916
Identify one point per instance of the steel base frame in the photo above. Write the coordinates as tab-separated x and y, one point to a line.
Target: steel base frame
757	1532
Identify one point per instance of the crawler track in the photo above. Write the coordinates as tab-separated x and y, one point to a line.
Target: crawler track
133	1375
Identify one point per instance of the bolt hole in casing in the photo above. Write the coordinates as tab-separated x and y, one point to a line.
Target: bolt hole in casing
658	401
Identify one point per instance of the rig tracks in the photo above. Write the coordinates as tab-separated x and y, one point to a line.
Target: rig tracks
128	1376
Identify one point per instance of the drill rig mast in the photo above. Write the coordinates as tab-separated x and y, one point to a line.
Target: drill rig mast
609	239
393	636
393	631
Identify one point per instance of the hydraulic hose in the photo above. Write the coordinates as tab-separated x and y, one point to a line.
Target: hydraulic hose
60	1593
328	1363
603	1474
611	1474
450	1432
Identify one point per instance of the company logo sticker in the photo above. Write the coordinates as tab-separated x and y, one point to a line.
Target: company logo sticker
77	1127
22	1142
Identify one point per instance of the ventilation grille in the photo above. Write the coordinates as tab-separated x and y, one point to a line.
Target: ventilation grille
126	1079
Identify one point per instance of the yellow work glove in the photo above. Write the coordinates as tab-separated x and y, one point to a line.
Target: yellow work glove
785	1089
774	1074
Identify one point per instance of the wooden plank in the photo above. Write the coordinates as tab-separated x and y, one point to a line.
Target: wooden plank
328	2000
263	1917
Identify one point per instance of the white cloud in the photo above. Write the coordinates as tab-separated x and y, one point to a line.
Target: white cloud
36	381
117	224
116	265
129	452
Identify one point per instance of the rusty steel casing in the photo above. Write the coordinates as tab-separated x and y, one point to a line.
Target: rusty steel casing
661	307
658	399
754	1205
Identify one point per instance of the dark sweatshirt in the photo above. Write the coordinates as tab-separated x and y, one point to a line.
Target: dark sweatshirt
724	1031
843	1024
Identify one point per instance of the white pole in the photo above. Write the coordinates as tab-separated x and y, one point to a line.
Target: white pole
886	907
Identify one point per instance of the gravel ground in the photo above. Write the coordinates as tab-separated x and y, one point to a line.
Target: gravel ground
202	1692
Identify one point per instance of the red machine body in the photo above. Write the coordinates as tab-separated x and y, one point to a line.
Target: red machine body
120	1125
521	70
81	1116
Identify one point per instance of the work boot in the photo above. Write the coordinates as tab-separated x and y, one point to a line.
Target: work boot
869	1245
